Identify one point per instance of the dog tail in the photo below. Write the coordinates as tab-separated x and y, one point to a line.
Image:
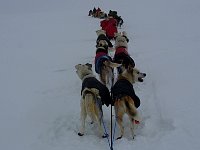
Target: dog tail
90	96
132	109
111	64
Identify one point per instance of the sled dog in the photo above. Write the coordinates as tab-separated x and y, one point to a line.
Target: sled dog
124	98
121	52
103	64
101	35
93	95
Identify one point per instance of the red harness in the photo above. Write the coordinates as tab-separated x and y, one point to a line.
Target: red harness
121	50
99	54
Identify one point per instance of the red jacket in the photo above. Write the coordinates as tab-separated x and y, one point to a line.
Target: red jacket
111	28
104	24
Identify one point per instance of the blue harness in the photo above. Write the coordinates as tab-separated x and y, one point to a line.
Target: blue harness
99	62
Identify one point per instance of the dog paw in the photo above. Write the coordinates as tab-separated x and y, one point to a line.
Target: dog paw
119	137
80	134
105	136
137	122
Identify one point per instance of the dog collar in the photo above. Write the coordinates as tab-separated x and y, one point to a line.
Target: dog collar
88	76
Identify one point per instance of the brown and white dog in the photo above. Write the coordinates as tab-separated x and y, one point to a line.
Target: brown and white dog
124	98
93	95
103	64
121	52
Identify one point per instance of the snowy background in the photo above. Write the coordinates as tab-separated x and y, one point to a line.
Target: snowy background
42	40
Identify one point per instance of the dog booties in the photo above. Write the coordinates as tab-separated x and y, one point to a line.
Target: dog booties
124	88
104	93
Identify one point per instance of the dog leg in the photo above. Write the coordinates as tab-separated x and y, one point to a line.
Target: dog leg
119	117
90	107
132	126
133	115
110	77
99	120
102	75
119	120
99	123
83	117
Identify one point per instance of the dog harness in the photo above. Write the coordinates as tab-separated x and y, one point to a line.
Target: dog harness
121	49
100	57
122	56
124	88
92	82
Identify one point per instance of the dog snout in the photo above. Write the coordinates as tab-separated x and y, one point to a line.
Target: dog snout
140	80
77	66
144	74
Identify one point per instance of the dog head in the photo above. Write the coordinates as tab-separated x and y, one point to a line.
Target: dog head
100	32
138	76
84	69
102	44
133	75
121	40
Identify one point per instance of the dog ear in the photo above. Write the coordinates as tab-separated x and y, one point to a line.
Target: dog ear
89	66
117	34
130	69
99	32
124	33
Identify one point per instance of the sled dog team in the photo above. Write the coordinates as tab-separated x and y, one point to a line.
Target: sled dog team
109	89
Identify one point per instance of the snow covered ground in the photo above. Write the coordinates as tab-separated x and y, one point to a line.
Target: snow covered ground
42	40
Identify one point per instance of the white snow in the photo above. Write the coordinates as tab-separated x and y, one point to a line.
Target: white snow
42	40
